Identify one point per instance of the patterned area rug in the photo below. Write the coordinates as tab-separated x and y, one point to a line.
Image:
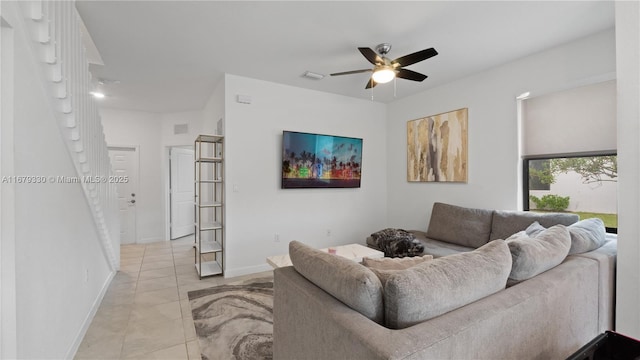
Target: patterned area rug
234	321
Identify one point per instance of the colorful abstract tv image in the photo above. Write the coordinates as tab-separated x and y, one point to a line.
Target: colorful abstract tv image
320	161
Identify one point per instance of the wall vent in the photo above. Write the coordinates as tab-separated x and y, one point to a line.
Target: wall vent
180	129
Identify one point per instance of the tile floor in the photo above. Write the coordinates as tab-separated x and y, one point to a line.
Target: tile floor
145	313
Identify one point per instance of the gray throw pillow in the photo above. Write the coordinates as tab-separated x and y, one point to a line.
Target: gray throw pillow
346	280
438	286
537	254
506	223
587	235
385	267
534	229
459	225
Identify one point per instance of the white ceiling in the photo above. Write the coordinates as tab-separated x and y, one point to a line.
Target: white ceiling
168	55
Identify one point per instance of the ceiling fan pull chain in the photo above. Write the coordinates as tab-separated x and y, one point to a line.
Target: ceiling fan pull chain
371	88
395	87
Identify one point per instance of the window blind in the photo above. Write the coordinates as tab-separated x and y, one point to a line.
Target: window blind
577	120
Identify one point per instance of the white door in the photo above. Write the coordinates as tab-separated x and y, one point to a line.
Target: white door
124	162
181	192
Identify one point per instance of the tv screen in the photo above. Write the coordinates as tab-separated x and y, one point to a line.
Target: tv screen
320	161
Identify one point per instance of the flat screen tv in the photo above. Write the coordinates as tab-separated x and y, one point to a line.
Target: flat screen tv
320	161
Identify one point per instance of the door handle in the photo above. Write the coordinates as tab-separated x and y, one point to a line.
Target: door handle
132	201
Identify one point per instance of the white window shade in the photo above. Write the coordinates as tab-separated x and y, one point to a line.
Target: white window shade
577	120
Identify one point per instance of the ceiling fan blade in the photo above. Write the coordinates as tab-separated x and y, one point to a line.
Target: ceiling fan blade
351	72
370	84
371	55
410	75
415	57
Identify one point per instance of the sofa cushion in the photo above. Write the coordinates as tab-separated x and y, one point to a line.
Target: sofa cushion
533	255
587	235
506	223
385	267
460	225
439	248
348	281
438	286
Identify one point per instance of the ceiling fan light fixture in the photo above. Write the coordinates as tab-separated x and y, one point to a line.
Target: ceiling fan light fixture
383	75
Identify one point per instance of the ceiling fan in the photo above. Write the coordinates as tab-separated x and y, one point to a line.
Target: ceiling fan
385	70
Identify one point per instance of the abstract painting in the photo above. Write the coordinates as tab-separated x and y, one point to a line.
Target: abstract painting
437	148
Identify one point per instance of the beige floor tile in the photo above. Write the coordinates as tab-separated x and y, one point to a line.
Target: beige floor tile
156	265
145	337
186	269
161	312
189	329
121	277
115	286
184	260
157	273
131	262
167	251
156	297
177	352
106	347
185	309
118	298
165	282
113	319
193	350
156	258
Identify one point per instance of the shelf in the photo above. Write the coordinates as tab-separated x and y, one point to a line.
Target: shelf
209	160
210	226
210	204
210	247
208	210
209	268
210	138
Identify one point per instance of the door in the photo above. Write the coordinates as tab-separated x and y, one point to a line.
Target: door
181	192
124	161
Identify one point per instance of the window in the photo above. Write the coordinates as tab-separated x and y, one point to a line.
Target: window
582	183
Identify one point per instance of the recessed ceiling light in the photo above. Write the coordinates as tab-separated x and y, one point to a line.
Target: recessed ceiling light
97	95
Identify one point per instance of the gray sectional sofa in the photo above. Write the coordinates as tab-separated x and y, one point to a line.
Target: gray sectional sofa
457	305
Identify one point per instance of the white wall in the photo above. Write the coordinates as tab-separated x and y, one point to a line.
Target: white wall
214	110
143	130
493	133
60	268
193	119
153	134
628	266
256	207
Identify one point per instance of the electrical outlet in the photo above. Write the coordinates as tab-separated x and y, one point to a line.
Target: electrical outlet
328	232
276	237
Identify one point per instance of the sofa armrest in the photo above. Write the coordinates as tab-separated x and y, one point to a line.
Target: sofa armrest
606	257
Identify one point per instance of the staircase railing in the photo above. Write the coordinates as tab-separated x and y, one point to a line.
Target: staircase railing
55	29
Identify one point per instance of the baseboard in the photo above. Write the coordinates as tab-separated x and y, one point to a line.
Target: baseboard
229	273
87	321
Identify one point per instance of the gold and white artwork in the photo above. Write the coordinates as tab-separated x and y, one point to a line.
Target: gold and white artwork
437	148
